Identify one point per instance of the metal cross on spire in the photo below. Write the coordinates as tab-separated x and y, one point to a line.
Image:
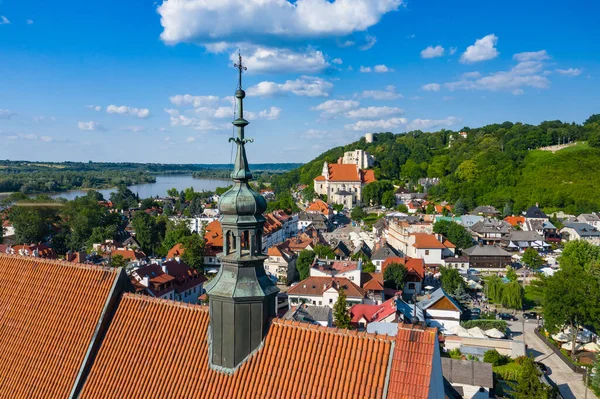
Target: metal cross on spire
241	68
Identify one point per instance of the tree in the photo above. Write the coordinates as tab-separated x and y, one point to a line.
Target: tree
124	198
148	203
595	379
388	199
402	208
430	210
175	234
511	274
460	208
507	211
193	254
324	251
594	139
572	294
303	263
394	275
494	357
357	214
368	267
341	314
512	295
451	280
454	232
173	193
146	231
529	385
31	223
532	258
118	261
308	193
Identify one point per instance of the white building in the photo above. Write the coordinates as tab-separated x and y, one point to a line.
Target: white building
343	183
324	291
580	231
590	218
349	269
441	310
361	158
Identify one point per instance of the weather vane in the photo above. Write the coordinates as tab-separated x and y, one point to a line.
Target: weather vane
241	68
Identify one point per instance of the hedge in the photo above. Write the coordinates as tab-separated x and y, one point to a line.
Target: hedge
486	324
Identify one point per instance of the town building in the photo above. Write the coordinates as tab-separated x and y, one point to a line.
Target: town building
324	291
316	220
467	378
321	315
415	268
485	210
590	218
350	269
361	315
489	231
535	213
488	258
381	253
441	310
281	263
360	158
580	231
343	183
321	207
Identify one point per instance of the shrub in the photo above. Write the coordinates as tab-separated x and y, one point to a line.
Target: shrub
486	324
495	358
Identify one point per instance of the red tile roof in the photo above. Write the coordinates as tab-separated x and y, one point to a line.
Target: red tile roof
49	311
413	265
429	241
368	176
213	234
372	281
319	206
161	358
176	251
348	172
448	244
372	313
318	285
515	220
128	254
410	375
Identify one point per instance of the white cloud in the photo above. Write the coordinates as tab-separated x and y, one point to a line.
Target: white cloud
518	92
94	107
6	113
382	69
337	61
426	124
4	20
91	125
432	52
44	119
452	50
135	129
483	49
345	44
168	139
388	94
34	137
365	69
369	42
524	74
431	87
209	21
335	107
29	22
379	125
260	59
177	119
270	114
402	124
307	86
124	109
373	112
531	56
570	71
190	139
195	101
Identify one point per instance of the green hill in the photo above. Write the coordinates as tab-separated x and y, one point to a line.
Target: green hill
496	164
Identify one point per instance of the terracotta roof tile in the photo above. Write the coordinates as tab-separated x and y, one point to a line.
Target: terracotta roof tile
318	285
297	359
413	265
412	363
49	311
213	234
423	240
319	206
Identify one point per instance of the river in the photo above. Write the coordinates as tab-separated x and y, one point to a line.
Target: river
160	187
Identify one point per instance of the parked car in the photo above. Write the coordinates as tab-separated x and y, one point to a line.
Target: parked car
530	316
542	367
506	316
476	311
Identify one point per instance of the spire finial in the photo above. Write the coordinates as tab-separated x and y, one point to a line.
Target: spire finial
241	68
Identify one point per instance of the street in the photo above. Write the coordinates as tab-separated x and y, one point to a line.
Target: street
569	383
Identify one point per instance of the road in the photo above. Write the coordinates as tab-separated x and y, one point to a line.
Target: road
569	383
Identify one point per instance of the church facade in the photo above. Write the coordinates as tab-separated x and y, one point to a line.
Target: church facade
343	183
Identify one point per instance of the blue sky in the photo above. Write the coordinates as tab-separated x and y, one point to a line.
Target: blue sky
151	82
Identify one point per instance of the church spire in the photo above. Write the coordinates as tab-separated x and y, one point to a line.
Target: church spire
242	298
241	171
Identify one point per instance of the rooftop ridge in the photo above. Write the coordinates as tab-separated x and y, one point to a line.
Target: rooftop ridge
170	302
333	330
60	262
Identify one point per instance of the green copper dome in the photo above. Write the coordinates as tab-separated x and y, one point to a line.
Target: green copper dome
241	200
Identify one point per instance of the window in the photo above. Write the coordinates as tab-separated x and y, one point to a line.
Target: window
320	303
315	303
426	252
330	300
411	286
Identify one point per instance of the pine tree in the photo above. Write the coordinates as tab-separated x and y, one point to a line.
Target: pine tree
340	312
528	384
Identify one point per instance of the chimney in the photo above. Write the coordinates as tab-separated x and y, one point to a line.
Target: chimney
146	281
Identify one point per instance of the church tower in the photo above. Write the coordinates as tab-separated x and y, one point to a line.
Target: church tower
242	298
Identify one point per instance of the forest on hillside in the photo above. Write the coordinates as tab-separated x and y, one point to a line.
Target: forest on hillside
495	165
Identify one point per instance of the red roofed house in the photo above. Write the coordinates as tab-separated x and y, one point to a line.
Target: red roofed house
320	206
324	291
428	247
213	239
129	254
171	280
343	183
415	273
281	263
363	314
372	284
